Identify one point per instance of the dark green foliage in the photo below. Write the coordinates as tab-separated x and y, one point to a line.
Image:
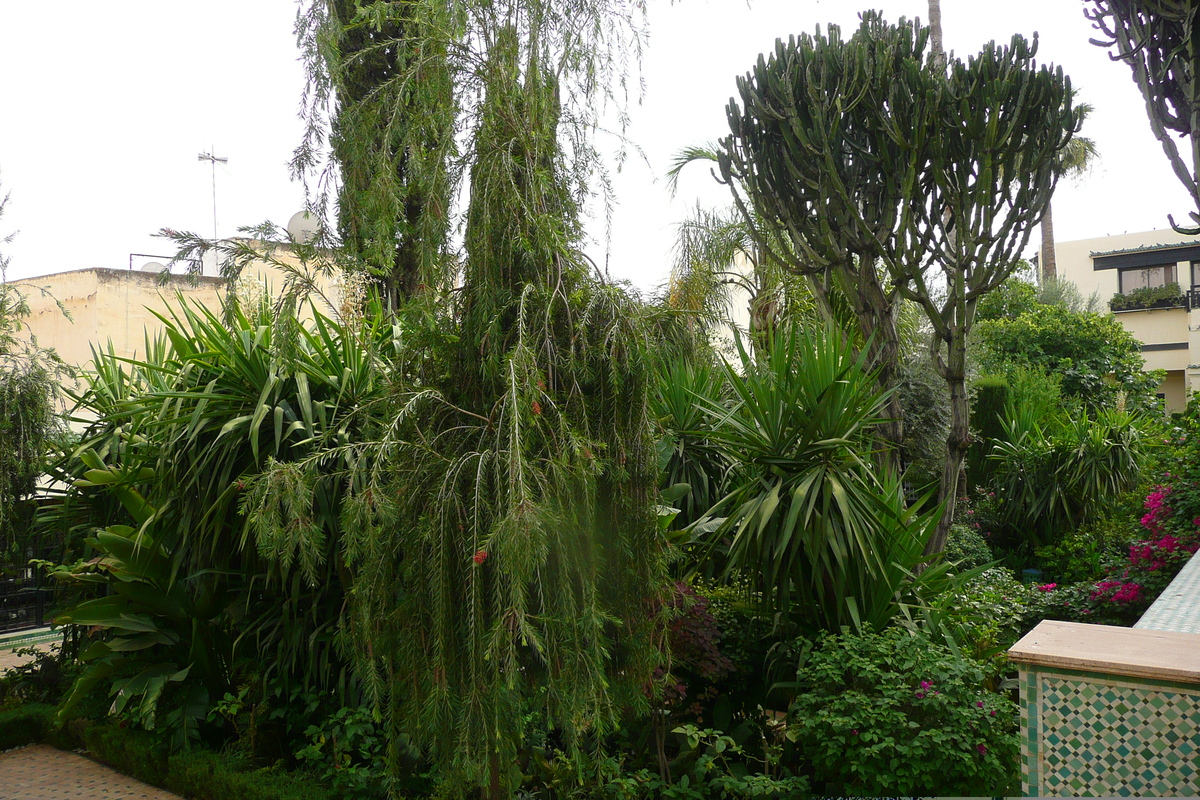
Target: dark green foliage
205	775
180	433
987	424
1053	474
1012	298
926	405
132	752
966	547
1166	296
200	774
28	724
1087	552
348	751
894	713
989	615
685	392
1096	356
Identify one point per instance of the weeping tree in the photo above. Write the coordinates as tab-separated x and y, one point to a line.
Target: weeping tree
380	93
1157	39
896	173
498	520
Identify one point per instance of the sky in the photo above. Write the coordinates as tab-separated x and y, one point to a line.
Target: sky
105	108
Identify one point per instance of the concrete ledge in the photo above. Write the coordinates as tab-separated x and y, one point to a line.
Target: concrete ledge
1133	652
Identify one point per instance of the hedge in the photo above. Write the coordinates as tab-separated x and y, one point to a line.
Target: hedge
199	774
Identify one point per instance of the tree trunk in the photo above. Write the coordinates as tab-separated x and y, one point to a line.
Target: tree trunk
1048	265
935	31
957	441
876	312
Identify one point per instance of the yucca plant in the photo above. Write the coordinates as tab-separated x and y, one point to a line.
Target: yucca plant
1057	473
688	456
824	538
211	404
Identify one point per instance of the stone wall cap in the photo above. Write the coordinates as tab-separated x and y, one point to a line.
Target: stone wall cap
1133	652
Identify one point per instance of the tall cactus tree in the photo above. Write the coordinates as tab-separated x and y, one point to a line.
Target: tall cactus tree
883	169
830	191
993	165
1159	40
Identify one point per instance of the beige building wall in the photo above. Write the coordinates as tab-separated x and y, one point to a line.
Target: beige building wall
118	306
1170	336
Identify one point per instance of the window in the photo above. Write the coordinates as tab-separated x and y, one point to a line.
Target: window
1196	274
1149	277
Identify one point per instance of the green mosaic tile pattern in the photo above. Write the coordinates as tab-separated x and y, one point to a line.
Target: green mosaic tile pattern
1109	738
1178	607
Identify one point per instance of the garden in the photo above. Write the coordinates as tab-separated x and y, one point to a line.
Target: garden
450	513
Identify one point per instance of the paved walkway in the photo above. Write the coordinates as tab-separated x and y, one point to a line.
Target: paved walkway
41	772
41	638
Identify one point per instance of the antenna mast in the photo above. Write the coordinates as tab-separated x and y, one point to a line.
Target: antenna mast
213	160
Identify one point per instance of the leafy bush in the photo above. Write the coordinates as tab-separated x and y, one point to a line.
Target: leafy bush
27	724
1097	358
894	713
823	538
966	547
205	775
200	774
349	751
991	613
712	765
1051	474
138	753
1089	551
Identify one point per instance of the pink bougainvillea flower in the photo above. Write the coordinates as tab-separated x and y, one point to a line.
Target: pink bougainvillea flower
982	749
1047	587
979	704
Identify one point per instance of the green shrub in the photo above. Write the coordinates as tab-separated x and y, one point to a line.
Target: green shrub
1087	552
967	548
348	750
992	613
205	775
896	714
132	752
26	724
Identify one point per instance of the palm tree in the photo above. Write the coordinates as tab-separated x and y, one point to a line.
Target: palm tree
1075	160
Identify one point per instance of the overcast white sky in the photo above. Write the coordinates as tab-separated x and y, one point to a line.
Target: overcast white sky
105	106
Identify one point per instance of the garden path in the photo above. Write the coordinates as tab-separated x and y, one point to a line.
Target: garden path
41	772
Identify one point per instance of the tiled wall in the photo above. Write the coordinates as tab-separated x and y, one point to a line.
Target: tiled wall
1089	734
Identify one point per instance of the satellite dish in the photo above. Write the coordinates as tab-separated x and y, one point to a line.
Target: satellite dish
302	227
153	266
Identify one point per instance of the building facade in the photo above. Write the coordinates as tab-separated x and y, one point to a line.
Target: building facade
1151	280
